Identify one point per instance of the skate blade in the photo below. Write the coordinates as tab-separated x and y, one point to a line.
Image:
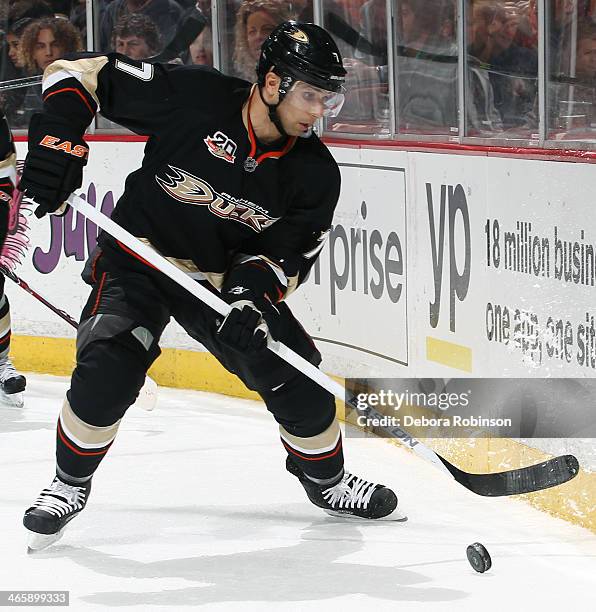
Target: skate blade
13	400
41	541
396	516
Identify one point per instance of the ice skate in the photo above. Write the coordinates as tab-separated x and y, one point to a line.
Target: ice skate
350	497
12	384
55	507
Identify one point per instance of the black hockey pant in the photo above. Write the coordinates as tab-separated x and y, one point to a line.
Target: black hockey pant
117	342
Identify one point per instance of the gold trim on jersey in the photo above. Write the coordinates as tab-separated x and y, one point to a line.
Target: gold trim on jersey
216	279
85	70
292	285
291	282
187	266
8	168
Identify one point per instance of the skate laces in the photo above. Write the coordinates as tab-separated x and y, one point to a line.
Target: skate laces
61	498
350	492
7	370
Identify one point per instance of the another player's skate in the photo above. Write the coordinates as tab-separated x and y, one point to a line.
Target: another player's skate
12	384
351	496
53	509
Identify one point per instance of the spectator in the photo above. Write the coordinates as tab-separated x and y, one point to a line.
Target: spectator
43	42
373	27
136	36
427	74
340	19
448	32
31	9
78	15
61	8
488	19
20	15
406	22
200	51
426	69
303	9
527	31
367	95
571	101
255	20
424	23
514	72
562	14
585	67
164	13
13	43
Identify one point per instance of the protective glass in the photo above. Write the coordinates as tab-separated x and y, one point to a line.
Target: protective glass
315	100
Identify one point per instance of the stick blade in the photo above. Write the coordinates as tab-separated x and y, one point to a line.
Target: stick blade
537	477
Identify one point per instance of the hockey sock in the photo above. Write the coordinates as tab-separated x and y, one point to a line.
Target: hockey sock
320	457
80	447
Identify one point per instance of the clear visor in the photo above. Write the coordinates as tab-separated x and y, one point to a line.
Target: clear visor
314	100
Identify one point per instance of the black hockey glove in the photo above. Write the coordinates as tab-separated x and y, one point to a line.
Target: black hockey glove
248	324
54	165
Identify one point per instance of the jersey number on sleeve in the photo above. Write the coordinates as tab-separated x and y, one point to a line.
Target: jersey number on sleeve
145	72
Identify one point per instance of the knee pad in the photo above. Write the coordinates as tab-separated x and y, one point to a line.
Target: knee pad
113	356
121	330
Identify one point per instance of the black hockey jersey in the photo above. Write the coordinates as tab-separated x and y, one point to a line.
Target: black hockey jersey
207	194
7	174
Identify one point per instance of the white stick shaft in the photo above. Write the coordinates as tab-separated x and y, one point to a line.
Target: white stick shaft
215	302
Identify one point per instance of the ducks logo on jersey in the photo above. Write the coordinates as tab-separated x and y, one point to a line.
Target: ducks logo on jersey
185	187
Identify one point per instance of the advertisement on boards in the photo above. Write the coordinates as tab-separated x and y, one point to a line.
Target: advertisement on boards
354	302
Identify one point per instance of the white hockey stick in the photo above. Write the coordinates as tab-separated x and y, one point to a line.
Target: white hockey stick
511	482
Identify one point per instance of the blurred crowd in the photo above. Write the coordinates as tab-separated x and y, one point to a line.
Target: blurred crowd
500	38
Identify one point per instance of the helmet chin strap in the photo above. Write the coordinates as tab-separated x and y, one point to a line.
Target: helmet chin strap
273	116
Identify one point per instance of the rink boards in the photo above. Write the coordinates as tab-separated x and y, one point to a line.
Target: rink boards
438	265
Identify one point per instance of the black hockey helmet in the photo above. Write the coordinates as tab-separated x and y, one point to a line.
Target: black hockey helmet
302	52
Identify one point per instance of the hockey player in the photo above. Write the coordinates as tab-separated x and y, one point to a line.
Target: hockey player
236	190
12	384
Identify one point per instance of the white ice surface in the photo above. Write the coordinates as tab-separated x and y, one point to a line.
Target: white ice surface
193	507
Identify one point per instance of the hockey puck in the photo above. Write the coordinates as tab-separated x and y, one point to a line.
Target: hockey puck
478	557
